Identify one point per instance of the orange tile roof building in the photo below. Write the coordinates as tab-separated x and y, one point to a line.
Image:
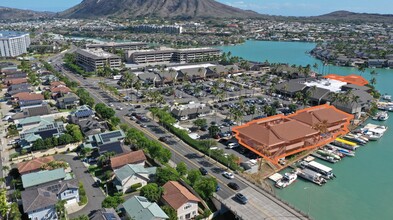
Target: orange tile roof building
33	165
352	79
280	136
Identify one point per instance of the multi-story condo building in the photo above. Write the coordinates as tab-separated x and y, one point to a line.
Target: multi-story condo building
110	46
152	28
173	55
91	60
13	43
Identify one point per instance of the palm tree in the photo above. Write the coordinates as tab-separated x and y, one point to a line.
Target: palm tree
373	81
315	66
373	72
60	210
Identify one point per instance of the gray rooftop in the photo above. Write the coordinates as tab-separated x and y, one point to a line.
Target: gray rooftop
11	34
96	54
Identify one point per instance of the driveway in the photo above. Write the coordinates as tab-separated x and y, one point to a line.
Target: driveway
94	194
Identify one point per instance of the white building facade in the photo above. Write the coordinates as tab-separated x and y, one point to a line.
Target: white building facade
13	44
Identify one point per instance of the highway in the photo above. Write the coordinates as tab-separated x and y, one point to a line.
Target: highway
261	205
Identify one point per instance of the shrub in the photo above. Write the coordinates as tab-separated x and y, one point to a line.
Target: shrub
135	186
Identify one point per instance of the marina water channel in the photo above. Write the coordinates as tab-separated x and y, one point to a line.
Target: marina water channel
363	187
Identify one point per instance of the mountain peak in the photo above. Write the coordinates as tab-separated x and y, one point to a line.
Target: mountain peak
155	8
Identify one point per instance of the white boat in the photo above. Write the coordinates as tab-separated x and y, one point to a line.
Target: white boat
381	116
387	97
325	171
374	132
312	176
286	180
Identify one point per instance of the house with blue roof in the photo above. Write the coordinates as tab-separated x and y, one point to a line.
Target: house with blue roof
132	174
110	141
139	208
33	130
43	177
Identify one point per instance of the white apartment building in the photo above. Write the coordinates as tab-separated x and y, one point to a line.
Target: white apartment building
91	60
13	44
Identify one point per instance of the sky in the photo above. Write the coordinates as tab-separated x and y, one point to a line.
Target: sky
272	7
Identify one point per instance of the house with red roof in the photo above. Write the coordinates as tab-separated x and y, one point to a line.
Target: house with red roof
180	199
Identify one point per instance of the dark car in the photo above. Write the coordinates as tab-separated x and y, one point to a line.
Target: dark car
163	139
242	199
203	171
233	186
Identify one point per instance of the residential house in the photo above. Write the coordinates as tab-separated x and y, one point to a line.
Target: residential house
39	203
67	101
33	165
8	67
378	63
18	88
30	111
14	75
181	200
14	81
27	99
48	79
105	214
190	110
84	116
110	141
131	174
43	177
58	89
139	208
134	157
46	128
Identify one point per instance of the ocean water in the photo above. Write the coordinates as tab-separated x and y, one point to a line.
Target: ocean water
363	188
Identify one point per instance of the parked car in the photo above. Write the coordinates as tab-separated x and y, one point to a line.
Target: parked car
203	171
233	186
143	126
242	199
232	145
218	188
228	175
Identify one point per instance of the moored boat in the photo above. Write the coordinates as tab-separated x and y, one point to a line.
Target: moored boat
325	171
286	180
311	176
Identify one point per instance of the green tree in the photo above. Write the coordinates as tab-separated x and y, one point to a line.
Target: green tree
193	176
115	121
4	207
60	209
213	130
112	201
65	139
200	122
205	187
172	214
181	168
75	132
39	144
14	212
165	174
104	111
152	192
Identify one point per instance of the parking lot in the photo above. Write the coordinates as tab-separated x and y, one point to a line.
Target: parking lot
222	95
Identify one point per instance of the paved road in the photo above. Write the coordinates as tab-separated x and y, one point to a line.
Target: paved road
94	194
270	208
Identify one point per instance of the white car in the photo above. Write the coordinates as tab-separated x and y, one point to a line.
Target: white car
119	108
111	104
228	175
232	145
